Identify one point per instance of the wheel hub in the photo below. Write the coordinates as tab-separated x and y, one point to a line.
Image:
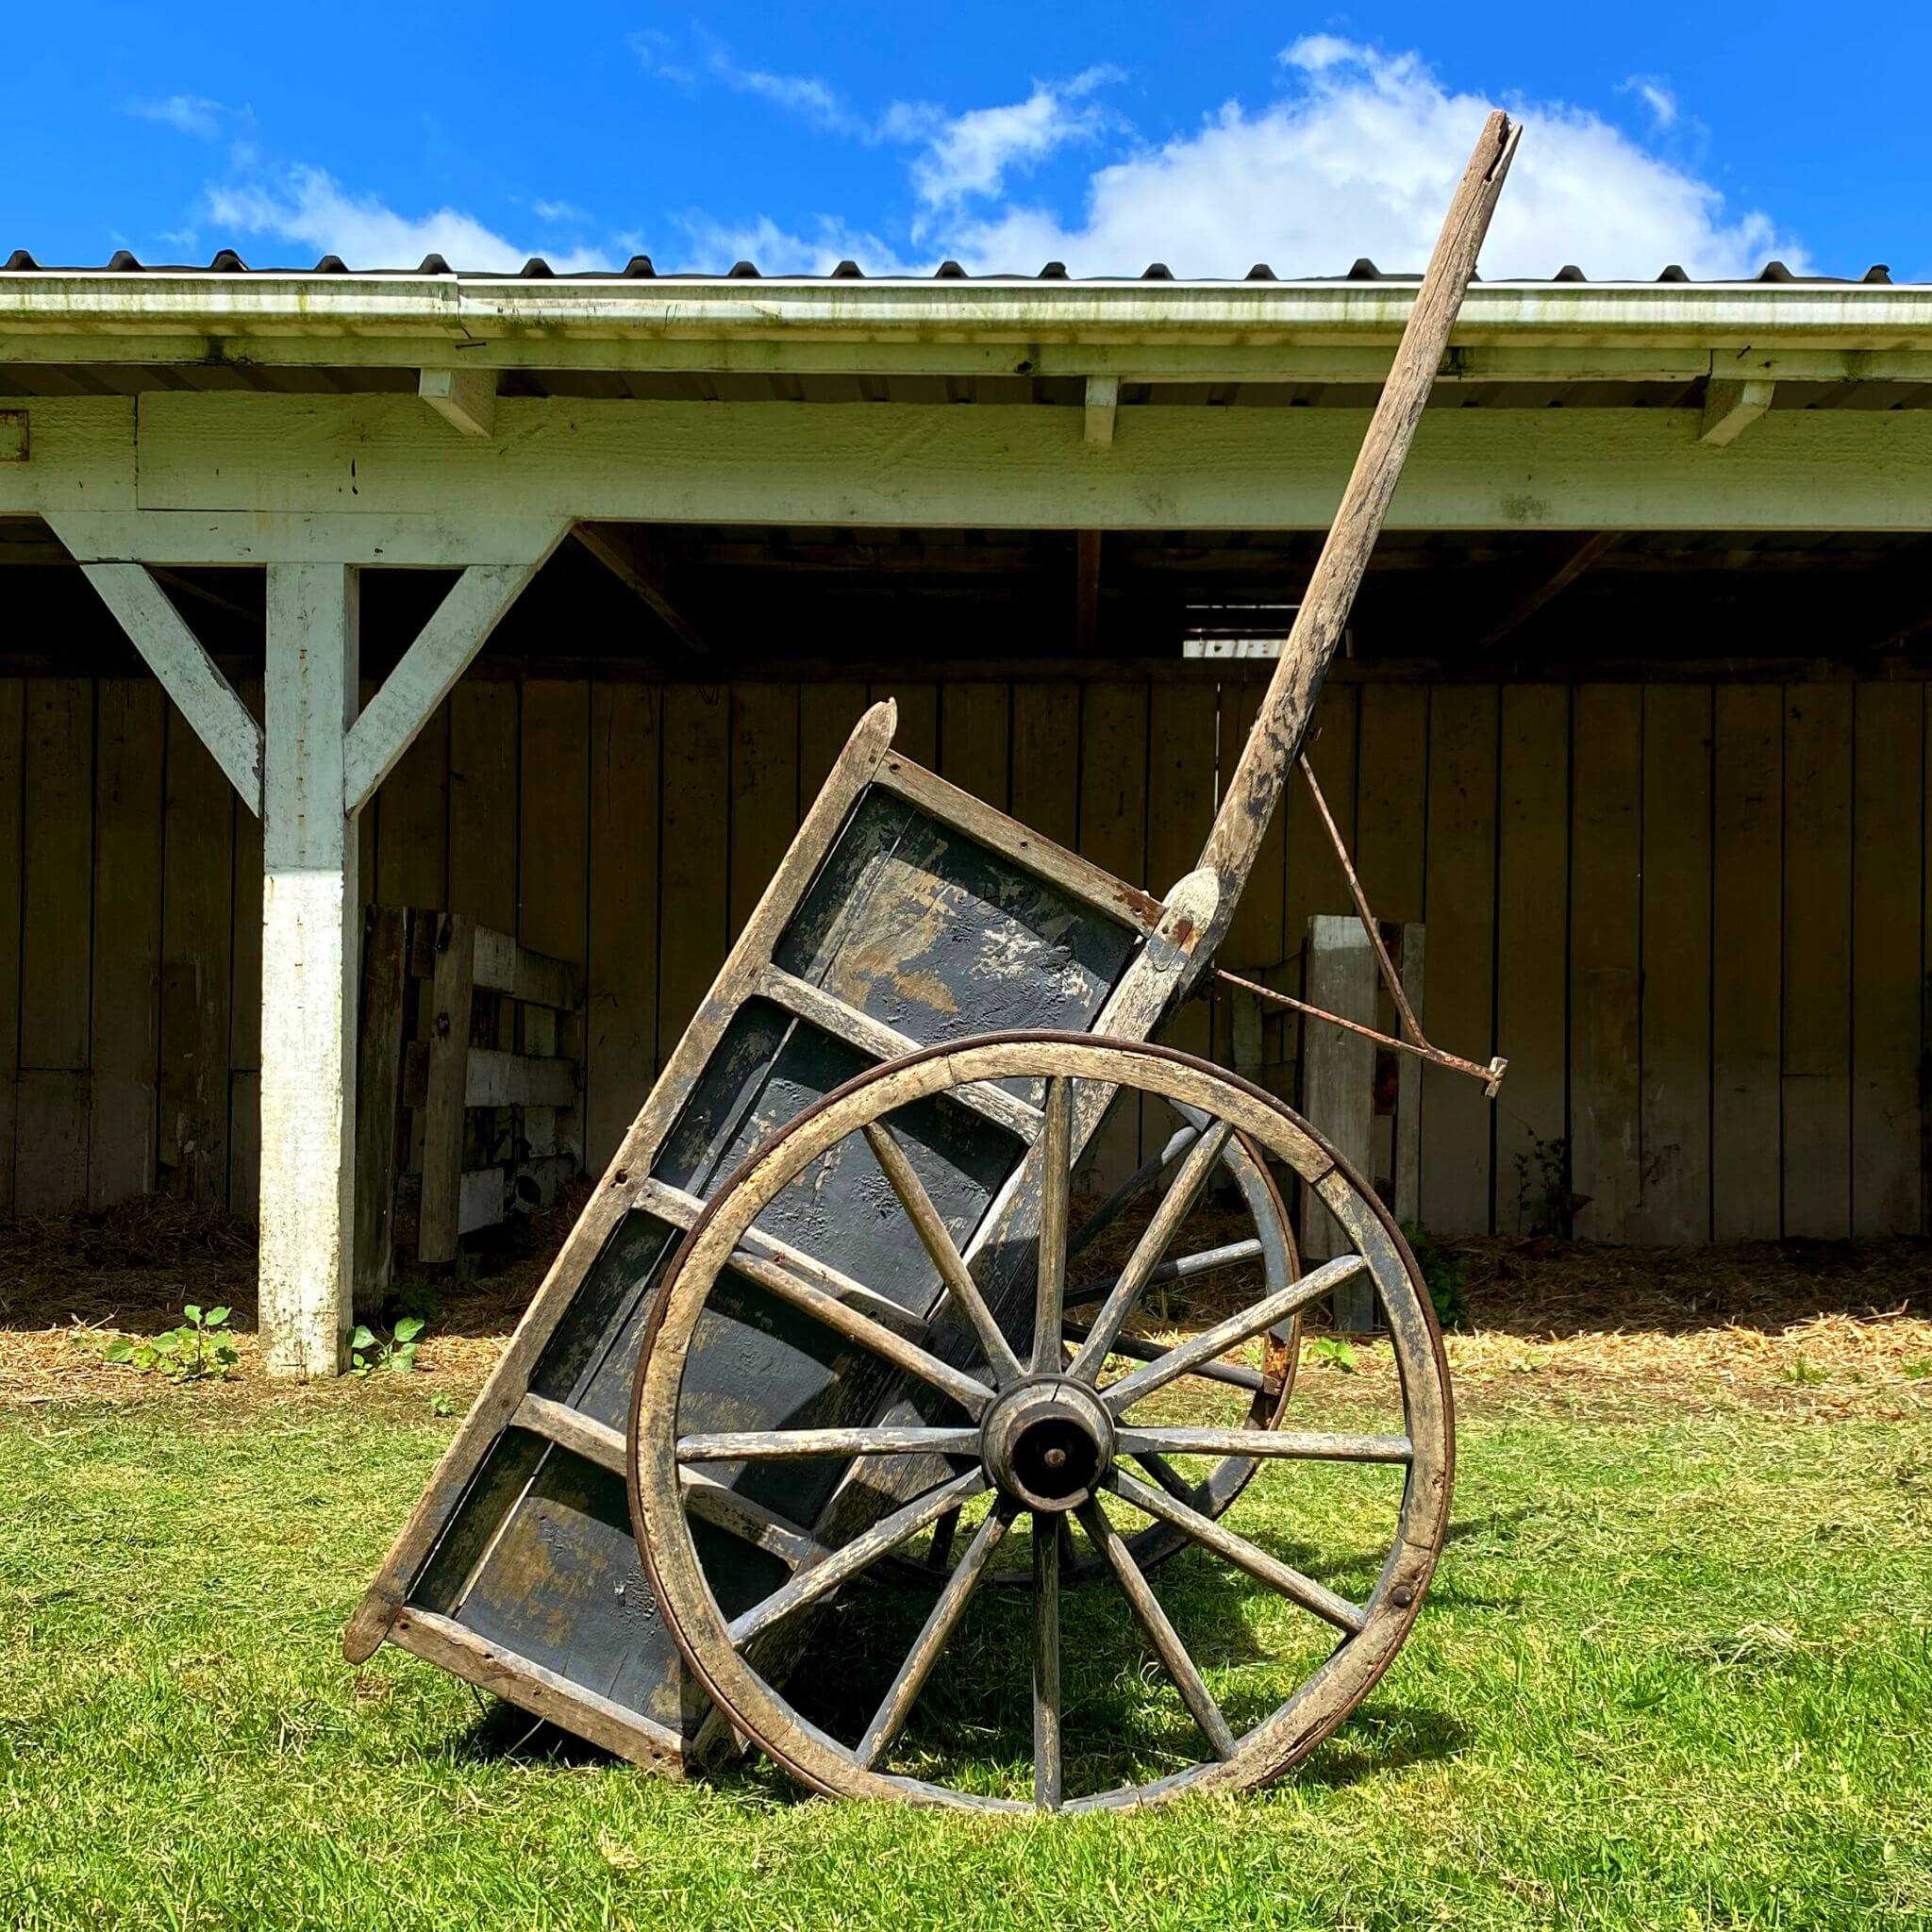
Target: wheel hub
1047	1443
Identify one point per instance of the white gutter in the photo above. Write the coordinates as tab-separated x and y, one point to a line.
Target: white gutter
39	309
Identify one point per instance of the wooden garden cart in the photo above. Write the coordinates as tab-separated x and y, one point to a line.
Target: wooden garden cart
819	1319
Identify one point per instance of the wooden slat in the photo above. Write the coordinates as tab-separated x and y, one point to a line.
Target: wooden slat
483	802
882	1042
764	788
1045	791
1816	1074
385	989
826	713
504	965
1180	805
1113	835
621	1023
1532	902
412	812
128	939
1747	962
693	914
1391	796
1297	863
198	912
1460	913
552	855
1888	835
1673	1125
975	738
245	946
1606	748
12	698
512	1079
50	1149
58	857
440	1216
1070	871
244	1142
918	736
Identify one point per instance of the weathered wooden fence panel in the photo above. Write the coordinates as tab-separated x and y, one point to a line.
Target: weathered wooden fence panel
1696	915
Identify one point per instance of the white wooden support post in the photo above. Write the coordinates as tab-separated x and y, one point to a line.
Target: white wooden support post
310	931
1338	1085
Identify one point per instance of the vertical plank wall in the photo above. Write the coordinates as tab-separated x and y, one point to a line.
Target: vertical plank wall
1696	917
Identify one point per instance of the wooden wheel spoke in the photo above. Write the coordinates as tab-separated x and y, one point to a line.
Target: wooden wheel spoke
1176	1206
1294	1446
1047	1557
1208	1261
1160	1633
1229	1373
1166	1474
903	1353
886	1535
1238	1551
938	1241
943	1532
762	1446
1109	1211
902	1693
1056	1152
1211	1343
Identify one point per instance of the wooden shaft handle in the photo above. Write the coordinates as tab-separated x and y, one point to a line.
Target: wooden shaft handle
1275	742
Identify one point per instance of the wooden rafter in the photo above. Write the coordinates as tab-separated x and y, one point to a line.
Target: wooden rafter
642	560
1578	560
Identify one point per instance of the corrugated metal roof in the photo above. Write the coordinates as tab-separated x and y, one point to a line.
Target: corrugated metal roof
641	268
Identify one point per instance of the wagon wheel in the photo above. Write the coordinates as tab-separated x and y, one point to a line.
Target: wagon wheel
1040	1441
1248	1396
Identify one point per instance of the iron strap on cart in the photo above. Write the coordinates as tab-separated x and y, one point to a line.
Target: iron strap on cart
823	1317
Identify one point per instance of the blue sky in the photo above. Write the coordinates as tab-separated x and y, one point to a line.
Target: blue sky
1206	137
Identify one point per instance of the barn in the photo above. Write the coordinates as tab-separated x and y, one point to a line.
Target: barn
548	600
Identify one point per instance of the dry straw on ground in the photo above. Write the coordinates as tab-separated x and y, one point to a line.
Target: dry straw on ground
1824	1328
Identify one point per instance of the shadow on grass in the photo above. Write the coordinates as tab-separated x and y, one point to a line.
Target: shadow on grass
503	1734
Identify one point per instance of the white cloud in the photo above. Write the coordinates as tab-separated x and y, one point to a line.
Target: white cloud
1655	94
1315	53
185	113
1359	159
309	205
971	154
566	212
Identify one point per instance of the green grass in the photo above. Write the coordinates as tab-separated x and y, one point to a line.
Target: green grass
1676	1671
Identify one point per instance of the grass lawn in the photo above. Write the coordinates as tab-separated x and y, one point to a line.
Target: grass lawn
1676	1671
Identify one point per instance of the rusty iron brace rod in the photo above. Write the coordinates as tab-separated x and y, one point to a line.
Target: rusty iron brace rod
1415	1041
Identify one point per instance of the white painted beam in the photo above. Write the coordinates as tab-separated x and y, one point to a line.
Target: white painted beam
926	465
311	932
464	398
188	674
428	670
1730	408
1102	406
429	539
936	466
